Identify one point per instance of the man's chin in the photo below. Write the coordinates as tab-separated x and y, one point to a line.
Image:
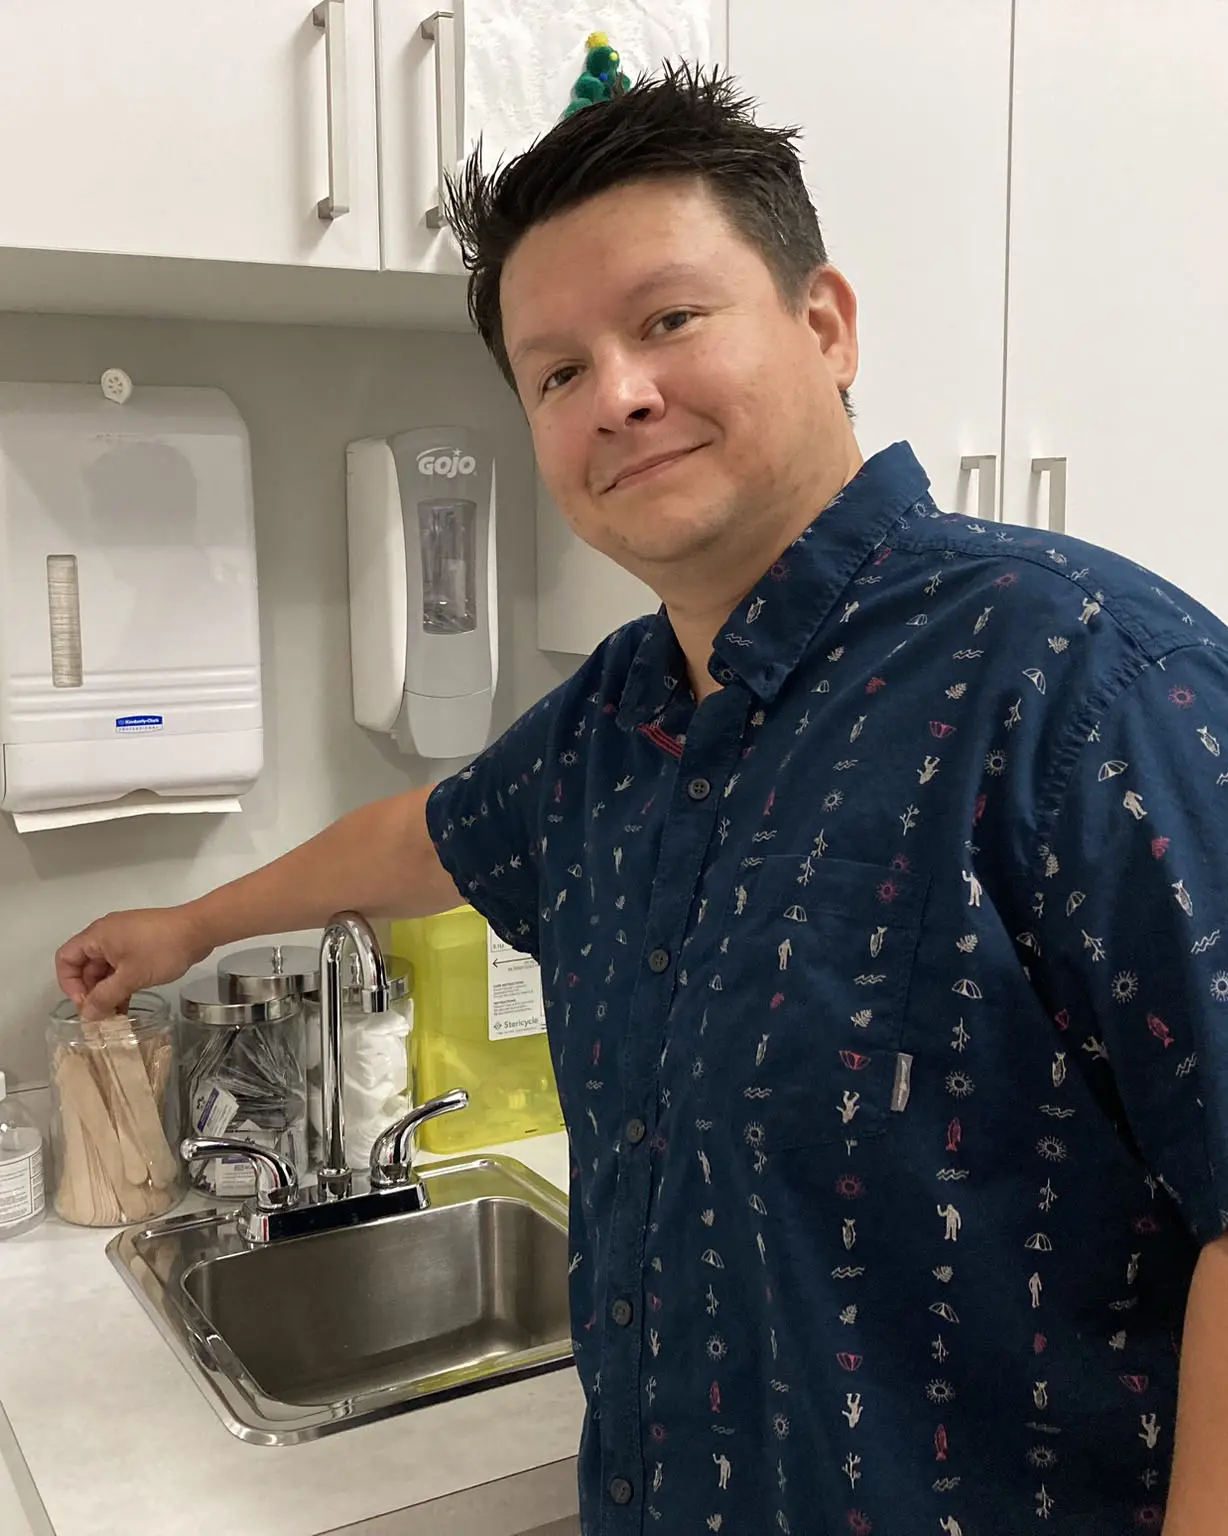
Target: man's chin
662	543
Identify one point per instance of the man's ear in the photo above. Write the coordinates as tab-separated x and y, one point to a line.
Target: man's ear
830	307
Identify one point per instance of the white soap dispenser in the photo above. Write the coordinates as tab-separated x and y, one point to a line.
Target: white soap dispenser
424	621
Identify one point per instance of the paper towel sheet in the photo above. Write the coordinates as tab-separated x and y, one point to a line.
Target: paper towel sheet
119	810
522	59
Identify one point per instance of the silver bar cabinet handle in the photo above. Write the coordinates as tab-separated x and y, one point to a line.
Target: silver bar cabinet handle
440	29
1056	470
985	467
330	17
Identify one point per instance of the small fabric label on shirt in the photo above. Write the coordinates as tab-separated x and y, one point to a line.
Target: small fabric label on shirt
514	1004
903	1083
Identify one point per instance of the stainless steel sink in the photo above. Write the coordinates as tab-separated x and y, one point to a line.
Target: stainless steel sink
307	1335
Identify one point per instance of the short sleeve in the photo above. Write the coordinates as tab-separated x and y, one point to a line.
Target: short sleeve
484	822
1131	949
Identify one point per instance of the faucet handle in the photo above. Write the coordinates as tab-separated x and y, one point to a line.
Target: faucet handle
276	1178
392	1156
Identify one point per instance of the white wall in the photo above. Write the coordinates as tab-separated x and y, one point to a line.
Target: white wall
304	393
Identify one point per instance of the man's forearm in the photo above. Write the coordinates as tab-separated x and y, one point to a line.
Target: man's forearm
1198	1495
378	860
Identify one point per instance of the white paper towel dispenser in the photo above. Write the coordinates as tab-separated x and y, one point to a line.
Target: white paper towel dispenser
129	628
424	614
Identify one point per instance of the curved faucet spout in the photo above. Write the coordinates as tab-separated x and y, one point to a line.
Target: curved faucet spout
342	930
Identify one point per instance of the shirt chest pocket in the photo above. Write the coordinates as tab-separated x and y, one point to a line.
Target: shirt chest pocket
813	975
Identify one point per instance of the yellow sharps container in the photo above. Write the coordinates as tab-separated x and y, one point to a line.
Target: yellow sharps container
478	1025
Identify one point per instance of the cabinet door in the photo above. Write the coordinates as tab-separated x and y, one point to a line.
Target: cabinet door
190	130
1118	324
420	69
904	114
505	73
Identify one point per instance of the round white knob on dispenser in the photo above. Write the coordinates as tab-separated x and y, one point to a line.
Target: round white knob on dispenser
117	386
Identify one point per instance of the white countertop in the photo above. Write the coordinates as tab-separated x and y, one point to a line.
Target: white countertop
120	1441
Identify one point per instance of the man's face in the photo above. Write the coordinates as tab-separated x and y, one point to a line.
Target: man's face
680	411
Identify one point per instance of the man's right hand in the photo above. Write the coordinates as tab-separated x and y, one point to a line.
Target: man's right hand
101	967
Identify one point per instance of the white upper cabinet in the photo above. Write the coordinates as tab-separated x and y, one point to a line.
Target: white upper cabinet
420	68
288	135
904	111
212	130
1118	321
503	73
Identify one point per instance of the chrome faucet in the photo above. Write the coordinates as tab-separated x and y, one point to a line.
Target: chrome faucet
392	1155
335	1180
280	1208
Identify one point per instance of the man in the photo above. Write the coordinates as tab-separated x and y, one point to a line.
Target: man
878	884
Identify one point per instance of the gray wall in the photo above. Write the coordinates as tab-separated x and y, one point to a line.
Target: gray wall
304	393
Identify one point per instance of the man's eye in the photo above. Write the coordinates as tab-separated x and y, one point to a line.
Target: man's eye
556	379
675	320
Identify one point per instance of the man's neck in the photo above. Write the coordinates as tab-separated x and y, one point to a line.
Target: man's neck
697	614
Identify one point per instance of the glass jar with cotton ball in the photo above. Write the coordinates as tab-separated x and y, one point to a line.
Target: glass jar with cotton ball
377	1085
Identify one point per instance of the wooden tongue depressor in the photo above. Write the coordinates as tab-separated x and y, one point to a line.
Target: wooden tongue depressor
136	1110
102	1061
85	1192
72	1194
104	1205
79	1088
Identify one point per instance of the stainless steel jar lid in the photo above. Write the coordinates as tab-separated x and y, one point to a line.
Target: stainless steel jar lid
400	975
209	1001
271	970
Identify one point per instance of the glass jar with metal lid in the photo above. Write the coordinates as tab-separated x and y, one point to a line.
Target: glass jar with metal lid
246	1075
272	970
376	1060
114	1113
285	970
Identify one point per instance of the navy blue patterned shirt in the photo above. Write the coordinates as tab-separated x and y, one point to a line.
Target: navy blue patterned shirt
888	997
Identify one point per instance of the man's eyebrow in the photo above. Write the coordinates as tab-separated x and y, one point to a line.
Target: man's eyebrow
556	341
674	272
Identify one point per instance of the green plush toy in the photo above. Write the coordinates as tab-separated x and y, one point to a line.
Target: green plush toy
601	78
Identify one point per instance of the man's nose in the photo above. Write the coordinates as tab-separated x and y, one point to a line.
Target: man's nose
626	390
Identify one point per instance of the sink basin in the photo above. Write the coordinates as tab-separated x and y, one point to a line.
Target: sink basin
309	1335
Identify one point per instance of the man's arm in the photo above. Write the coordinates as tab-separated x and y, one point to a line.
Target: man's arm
379	860
1198	1493
1130	949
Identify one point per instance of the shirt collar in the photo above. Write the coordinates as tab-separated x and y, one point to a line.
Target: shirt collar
770	631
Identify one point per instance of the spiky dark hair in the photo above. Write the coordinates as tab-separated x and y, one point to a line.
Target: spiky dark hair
686	123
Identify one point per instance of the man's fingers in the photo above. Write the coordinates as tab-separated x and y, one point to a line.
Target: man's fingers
70	962
95	971
111	996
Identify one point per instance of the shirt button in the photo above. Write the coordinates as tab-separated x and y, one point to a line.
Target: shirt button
658	960
636	1131
699	789
621	1490
621	1312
